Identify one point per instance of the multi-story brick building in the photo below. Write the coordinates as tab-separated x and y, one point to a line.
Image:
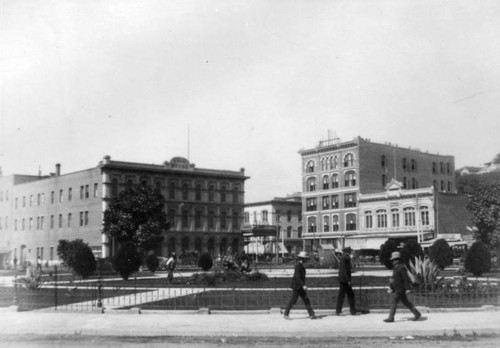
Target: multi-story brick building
277	222
204	207
335	173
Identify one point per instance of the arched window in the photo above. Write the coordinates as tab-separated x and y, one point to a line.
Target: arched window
211	219
171	190
335	162
171	219
289	232
236	194
197	219
350	222
383	161
185	244
349	160
184	219
197	245
368	219
235	222
335	181
310	167
335	223
328	163
197	192
350	179
424	214
223	193
381	218
326	223
395	217
311	224
311	184
185	191
223	220
211	193
409	214
325	182
323	164
384	180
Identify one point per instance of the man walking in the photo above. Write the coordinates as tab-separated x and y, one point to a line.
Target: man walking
345	282
399	287
171	263
299	287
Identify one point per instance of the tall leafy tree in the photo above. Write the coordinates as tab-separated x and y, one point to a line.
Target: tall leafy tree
485	208
136	215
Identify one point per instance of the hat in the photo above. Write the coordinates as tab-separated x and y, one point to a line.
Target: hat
303	255
395	255
347	249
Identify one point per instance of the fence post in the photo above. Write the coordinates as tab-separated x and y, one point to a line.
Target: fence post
55	287
99	291
15	291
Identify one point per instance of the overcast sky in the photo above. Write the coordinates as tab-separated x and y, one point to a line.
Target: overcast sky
253	81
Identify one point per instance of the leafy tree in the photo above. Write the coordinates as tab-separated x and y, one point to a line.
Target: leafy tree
410	250
152	262
127	260
137	216
386	250
485	208
478	259
441	253
205	262
78	256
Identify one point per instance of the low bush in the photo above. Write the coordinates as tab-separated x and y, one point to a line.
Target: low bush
127	260
478	259
441	253
152	262
205	262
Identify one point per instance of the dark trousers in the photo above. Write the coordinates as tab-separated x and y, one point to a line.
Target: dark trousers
345	288
170	275
395	299
295	296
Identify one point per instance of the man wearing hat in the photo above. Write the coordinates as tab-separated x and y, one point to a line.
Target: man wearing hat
299	286
400	286
171	263
345	282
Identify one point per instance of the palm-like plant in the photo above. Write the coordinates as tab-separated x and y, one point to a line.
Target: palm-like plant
424	273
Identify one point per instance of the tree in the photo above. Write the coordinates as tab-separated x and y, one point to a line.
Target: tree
127	260
441	253
78	256
386	250
152	262
410	250
478	259
205	262
485	208
137	216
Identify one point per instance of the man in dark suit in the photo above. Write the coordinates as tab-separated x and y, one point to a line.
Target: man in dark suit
299	287
399	287
345	282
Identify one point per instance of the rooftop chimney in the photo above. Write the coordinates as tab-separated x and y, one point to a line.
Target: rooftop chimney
58	169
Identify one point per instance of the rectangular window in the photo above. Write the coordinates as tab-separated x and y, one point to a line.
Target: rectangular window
184	219
289	215
51	221
197	219
15	225
381	220
86	191
23	224
31	224
60	221
96	186
325	202
60	196
51	253
247	216
24	201
81	192
15	203
311	204
235	222
223	218
38	223
264	216
349	200
81	218
369	221
31	200
395	218
39	199
335	201
52	197
86	218
69	219
70	193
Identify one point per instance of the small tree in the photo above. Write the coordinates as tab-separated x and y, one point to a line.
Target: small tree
410	250
152	262
441	253
127	260
478	259
205	262
78	256
386	250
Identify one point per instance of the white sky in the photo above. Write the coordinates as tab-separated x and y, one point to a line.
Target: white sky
254	81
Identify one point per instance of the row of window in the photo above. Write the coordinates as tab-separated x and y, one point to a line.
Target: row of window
39	199
331	223
39	253
265	216
332	182
198	217
331	202
331	162
187	192
29	223
2	195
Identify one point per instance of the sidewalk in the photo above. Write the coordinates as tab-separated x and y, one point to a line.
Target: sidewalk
484	321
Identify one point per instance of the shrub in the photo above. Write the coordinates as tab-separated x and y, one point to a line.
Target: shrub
205	262
152	262
78	256
386	250
105	266
478	259
441	253
127	260
410	250
424	273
